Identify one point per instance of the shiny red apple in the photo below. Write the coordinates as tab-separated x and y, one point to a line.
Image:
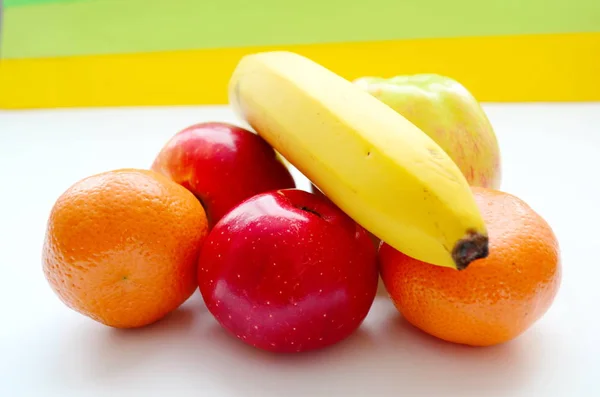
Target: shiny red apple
222	164
288	271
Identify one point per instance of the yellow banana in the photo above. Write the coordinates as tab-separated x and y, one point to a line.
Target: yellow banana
374	164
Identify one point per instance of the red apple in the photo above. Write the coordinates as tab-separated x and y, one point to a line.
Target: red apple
288	271
222	165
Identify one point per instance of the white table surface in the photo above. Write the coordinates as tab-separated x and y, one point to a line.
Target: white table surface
551	156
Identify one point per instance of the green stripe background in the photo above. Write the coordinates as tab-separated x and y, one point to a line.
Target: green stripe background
15	3
41	28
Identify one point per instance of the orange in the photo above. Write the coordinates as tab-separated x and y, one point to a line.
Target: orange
494	299
121	247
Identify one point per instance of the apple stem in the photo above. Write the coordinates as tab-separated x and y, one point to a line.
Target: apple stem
311	211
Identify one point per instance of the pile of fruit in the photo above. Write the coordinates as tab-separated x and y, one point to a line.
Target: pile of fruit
405	179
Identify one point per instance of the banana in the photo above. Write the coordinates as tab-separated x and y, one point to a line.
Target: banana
379	168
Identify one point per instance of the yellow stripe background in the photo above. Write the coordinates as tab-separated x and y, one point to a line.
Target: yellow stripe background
561	67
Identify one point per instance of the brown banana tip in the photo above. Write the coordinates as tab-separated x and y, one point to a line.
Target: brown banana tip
470	248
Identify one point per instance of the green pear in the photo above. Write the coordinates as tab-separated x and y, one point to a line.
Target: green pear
446	111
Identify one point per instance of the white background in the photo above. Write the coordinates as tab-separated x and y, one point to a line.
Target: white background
551	159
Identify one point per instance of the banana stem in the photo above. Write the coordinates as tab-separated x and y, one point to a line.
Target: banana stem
470	248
